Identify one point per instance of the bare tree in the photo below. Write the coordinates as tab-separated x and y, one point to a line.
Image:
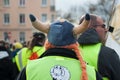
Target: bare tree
102	8
75	12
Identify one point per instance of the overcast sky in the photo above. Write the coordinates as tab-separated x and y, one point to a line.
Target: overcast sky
65	4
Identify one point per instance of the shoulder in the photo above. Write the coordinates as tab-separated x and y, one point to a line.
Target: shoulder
108	52
108	56
25	48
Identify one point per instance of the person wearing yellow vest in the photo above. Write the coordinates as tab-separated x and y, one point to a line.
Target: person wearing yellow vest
62	59
17	47
34	49
92	44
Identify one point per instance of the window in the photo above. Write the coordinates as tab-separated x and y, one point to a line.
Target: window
44	3
6	18
22	18
6	3
52	2
6	37
44	17
22	3
22	37
52	5
52	18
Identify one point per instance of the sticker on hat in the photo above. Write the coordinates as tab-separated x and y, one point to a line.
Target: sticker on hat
60	73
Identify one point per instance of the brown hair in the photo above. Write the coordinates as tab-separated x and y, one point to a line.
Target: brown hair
74	47
38	40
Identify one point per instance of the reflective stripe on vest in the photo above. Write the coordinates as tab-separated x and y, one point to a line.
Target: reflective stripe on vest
56	68
18	59
23	56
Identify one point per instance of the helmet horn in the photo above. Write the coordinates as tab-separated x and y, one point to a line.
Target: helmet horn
44	27
83	26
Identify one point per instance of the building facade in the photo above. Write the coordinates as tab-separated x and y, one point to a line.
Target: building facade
113	39
15	24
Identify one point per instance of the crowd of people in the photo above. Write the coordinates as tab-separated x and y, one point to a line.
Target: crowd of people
68	52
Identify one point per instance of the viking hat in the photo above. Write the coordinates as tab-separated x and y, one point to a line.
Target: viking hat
61	32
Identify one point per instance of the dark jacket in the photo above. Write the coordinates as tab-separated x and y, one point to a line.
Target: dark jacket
13	54
7	71
108	60
55	52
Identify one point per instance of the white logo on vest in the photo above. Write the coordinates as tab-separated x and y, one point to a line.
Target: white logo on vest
60	73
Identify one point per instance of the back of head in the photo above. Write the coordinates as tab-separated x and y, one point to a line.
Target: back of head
17	45
38	40
97	26
61	33
2	46
93	20
39	36
2	43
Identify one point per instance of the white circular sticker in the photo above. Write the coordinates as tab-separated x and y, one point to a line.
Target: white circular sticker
60	73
